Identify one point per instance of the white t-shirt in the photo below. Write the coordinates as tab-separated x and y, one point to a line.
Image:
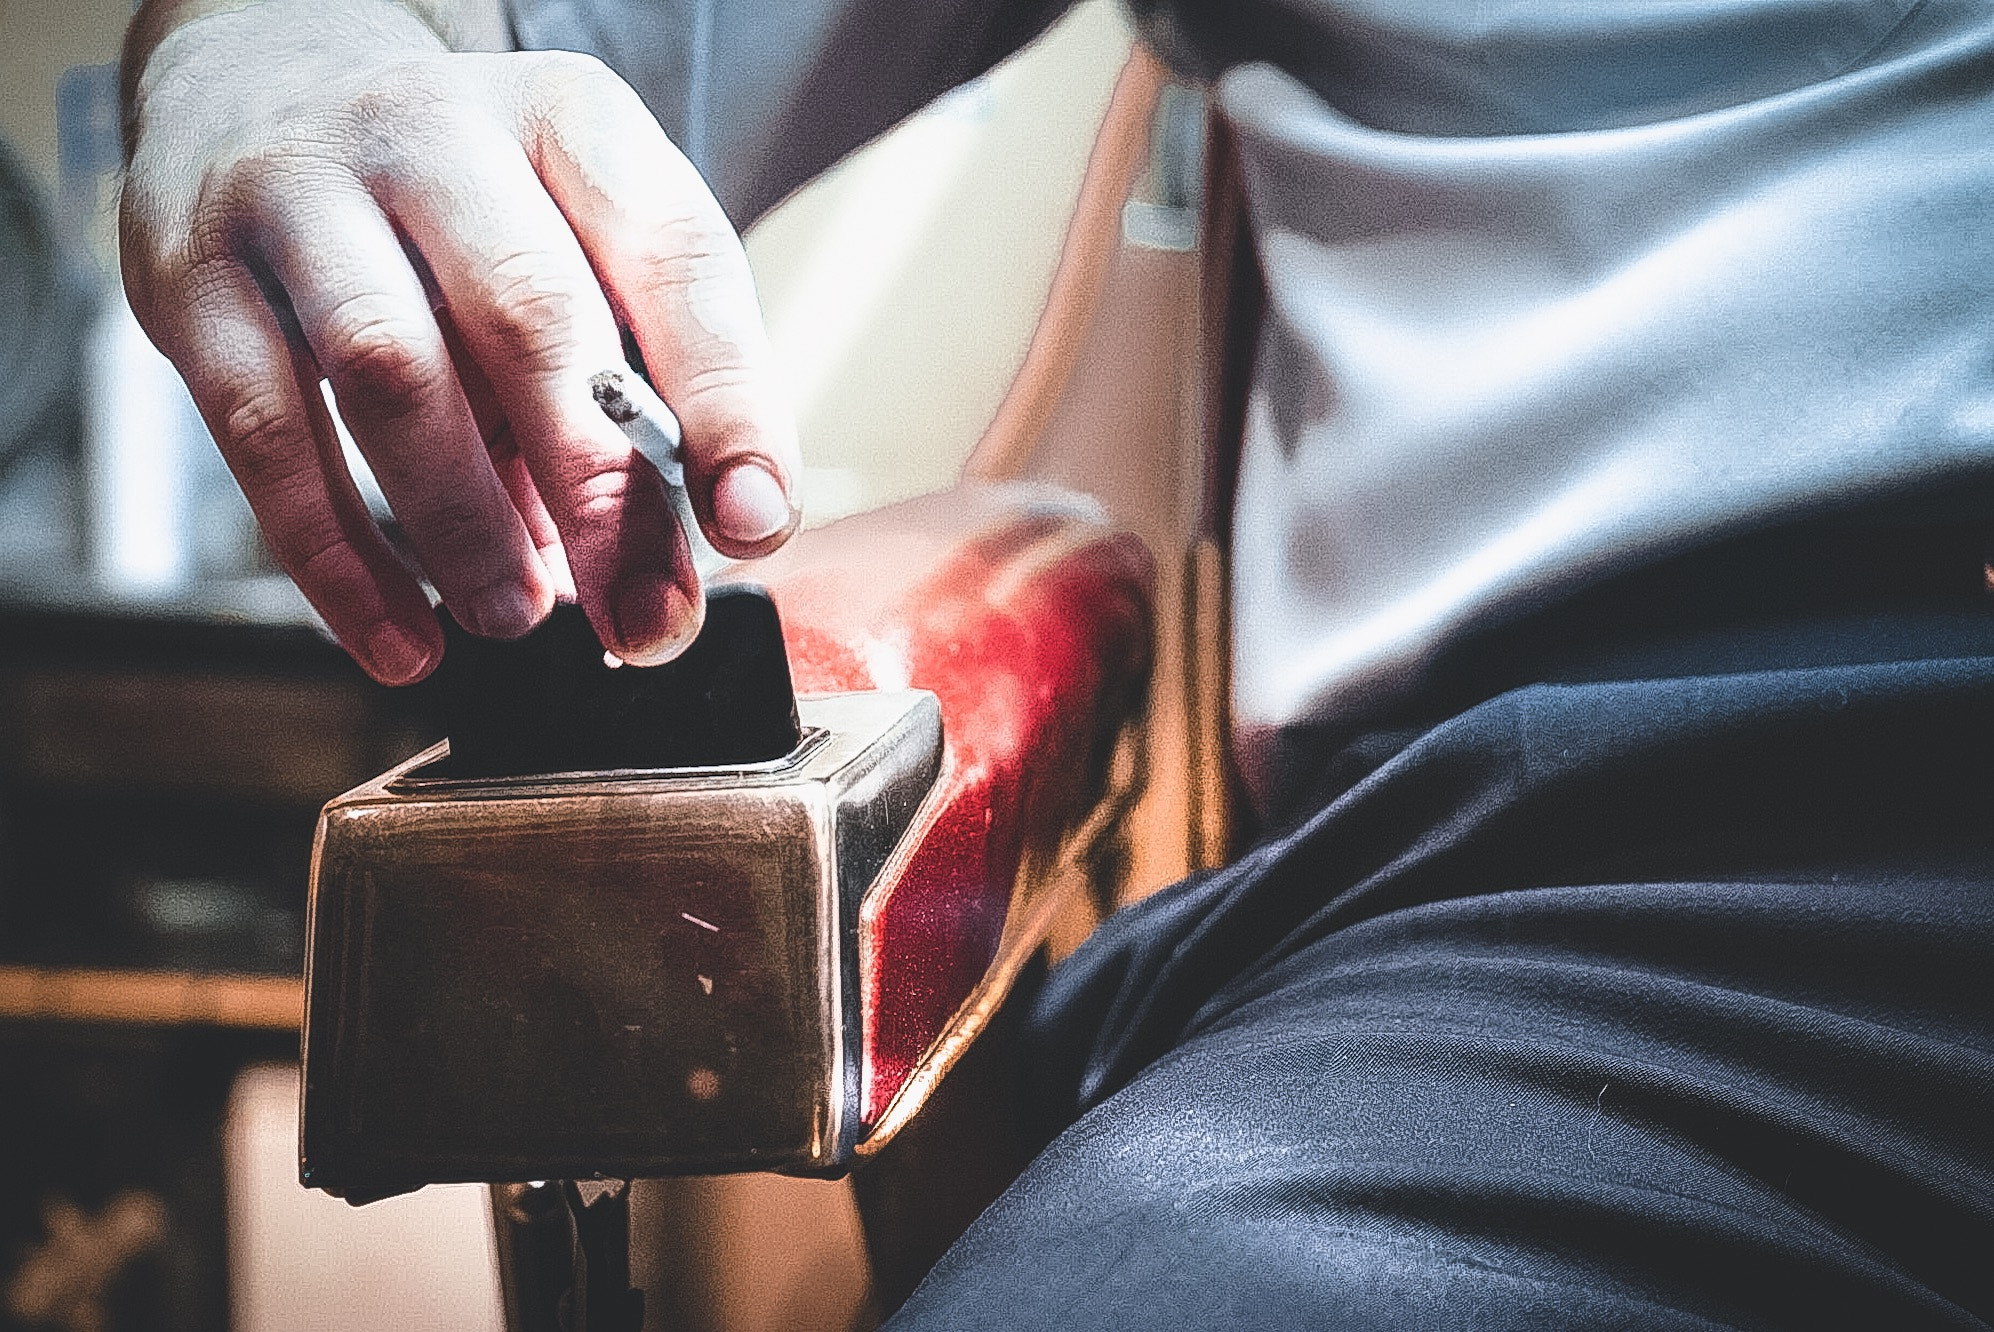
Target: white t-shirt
1556	287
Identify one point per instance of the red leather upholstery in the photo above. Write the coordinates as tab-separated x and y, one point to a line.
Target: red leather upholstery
1030	620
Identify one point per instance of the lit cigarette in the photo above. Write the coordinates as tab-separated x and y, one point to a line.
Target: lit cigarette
653	431
645	420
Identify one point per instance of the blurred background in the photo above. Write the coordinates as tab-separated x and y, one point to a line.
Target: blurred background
171	718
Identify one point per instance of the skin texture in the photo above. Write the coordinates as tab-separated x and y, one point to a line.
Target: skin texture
326	189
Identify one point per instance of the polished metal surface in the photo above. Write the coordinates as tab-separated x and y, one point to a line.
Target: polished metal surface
591	975
419	780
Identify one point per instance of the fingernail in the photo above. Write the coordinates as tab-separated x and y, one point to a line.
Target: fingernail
558	573
396	656
749	504
501	610
653	621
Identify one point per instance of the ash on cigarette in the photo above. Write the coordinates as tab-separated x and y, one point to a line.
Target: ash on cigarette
607	386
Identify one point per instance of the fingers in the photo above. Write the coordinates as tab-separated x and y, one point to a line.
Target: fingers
528	308
518	481
265	412
361	309
544	203
676	271
506	460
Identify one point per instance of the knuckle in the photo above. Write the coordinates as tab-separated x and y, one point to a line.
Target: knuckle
261	438
251	191
412	112
600	493
402	89
726	387
559	74
537	309
707	275
685	255
207	281
210	237
252	172
450	525
277	470
317	559
231	191
379	365
563	93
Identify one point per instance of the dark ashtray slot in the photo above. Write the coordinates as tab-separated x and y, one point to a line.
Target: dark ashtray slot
549	702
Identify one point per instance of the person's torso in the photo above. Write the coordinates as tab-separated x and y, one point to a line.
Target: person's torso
1558	289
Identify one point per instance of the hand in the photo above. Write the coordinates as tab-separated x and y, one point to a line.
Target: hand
321	188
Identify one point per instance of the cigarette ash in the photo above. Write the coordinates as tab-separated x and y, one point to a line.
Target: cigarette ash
607	388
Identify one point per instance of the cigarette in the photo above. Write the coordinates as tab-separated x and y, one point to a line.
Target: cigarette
644	419
653	431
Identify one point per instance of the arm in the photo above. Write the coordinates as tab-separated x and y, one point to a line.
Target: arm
450	237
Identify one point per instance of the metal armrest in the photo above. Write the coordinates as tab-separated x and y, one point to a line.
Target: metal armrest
738	967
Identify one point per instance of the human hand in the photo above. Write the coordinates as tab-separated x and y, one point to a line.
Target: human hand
324	188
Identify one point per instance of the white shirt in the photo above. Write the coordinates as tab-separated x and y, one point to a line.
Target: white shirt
1556	287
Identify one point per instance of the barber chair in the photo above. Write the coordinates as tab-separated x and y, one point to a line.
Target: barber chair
755	931
757	937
